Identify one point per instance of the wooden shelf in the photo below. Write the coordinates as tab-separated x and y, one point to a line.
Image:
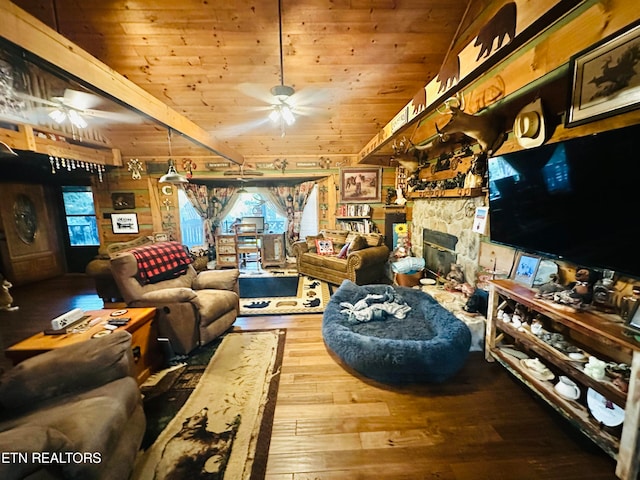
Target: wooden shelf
451	193
598	335
576	413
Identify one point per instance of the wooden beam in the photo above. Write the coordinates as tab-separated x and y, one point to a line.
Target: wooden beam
30	34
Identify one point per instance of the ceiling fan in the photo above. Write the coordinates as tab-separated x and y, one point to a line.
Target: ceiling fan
241	172
76	107
283	103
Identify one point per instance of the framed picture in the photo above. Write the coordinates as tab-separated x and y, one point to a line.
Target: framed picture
124	222
604	78
360	185
526	269
633	322
123	201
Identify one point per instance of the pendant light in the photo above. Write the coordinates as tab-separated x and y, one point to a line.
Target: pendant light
172	176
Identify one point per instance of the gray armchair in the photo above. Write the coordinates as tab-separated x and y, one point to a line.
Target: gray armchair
73	412
193	308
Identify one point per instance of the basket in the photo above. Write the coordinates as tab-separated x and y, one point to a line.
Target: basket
408	279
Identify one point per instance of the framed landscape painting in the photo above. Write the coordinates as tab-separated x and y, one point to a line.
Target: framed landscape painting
360	185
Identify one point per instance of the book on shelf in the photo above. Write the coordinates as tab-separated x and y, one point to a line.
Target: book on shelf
360	226
354	210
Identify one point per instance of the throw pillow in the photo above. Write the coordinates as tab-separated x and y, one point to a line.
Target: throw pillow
358	243
324	247
344	251
311	242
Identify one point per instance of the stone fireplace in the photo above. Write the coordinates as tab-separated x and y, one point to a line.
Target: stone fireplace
448	223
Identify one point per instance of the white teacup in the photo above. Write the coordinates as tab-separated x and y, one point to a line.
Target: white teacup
567	388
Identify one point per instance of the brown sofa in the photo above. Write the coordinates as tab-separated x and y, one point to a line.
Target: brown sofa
362	266
73	412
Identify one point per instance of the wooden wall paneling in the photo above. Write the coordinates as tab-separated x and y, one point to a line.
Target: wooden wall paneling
538	58
470	62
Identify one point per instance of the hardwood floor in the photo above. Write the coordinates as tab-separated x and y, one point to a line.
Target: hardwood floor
332	424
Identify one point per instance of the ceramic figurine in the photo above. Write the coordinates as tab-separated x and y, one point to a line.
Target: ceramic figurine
6	300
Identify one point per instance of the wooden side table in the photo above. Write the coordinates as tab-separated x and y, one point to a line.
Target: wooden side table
146	350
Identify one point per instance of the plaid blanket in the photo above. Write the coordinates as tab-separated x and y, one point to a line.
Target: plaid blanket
161	261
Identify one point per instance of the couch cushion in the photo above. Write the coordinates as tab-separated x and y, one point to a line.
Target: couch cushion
324	261
373	239
77	367
213	304
338	237
92	422
311	242
358	243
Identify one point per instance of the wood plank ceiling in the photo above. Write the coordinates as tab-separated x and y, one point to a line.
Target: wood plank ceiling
353	63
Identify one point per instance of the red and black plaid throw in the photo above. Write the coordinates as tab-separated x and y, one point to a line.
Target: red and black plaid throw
161	261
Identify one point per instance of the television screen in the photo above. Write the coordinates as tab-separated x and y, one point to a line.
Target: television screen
573	200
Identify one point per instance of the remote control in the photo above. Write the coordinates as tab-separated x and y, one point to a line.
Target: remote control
119	321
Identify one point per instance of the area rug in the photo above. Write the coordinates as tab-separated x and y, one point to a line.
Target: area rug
311	297
223	429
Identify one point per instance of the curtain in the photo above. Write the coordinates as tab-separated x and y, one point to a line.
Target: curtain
293	200
221	201
212	204
198	195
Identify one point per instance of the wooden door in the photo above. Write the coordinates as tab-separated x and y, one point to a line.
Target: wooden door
30	245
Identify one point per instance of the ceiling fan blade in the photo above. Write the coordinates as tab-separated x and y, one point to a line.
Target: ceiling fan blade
242	128
114	117
31	98
80	100
310	96
257	91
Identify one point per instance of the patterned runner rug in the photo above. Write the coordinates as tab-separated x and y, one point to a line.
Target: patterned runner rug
311	297
223	429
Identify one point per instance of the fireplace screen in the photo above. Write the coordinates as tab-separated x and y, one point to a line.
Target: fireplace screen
439	251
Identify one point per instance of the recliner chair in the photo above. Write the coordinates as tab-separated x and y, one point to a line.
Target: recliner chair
193	308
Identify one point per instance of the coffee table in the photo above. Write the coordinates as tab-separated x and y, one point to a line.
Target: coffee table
146	351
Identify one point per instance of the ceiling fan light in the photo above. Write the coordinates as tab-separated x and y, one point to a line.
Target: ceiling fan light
274	116
173	177
57	116
287	115
76	119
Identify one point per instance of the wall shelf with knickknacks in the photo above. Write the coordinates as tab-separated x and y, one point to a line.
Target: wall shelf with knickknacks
451	193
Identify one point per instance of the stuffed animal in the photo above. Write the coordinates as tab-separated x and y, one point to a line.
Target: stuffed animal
577	293
6	299
455	278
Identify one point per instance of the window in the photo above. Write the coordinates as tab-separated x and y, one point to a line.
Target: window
191	224
80	215
255	205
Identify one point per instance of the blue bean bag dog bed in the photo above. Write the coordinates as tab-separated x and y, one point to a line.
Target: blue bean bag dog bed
394	334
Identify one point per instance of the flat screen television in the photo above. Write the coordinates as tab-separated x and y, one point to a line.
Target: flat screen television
574	200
